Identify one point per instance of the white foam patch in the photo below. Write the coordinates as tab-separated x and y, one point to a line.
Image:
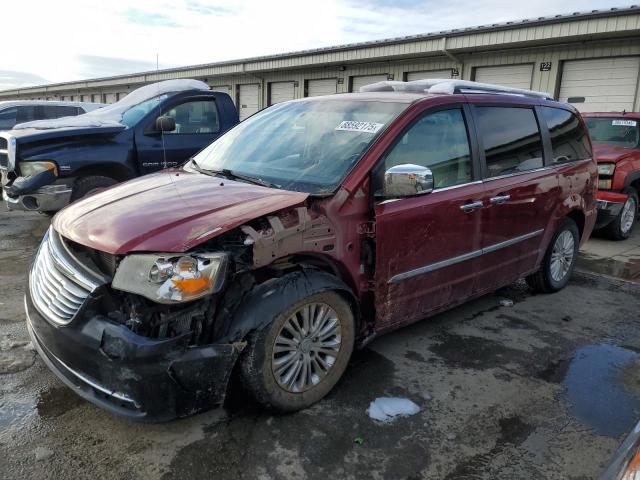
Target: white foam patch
386	409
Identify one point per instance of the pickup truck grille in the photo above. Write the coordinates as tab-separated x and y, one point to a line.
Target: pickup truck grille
58	284
4	157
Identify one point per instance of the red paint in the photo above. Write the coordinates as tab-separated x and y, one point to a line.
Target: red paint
612	196
169	213
163	212
627	160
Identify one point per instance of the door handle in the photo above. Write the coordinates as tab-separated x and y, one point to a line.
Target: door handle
499	199
471	206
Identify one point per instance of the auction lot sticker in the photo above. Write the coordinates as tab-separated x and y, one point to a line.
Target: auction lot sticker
624	123
353	126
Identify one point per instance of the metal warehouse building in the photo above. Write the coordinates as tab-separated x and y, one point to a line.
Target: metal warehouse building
589	59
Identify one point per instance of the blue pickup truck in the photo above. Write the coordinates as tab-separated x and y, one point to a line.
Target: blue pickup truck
46	164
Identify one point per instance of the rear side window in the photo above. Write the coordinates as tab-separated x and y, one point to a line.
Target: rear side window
56	111
438	141
568	140
511	138
8	118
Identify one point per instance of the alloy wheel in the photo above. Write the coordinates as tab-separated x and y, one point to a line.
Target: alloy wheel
306	347
628	215
562	255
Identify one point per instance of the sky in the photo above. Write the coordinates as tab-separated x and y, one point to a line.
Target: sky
70	40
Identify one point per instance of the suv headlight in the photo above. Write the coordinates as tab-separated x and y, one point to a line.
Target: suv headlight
606	168
170	278
27	169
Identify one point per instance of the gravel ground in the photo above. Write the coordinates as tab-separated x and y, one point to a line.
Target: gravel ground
546	388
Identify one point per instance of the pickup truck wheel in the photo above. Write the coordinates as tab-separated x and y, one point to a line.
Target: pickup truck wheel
86	185
622	226
297	359
559	260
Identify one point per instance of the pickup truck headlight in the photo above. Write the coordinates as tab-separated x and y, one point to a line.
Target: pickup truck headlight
170	278
606	168
27	169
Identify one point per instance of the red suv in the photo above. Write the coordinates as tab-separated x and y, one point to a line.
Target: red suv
306	230
616	140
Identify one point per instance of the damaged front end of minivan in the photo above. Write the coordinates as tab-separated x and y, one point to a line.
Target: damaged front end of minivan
155	336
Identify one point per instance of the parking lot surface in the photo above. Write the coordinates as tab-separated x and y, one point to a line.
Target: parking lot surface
545	388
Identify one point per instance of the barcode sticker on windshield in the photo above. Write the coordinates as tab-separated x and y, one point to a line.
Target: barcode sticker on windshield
624	123
353	126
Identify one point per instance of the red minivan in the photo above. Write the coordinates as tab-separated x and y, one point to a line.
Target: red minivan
306	230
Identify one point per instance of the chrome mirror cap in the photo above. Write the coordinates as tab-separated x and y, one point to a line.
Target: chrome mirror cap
407	180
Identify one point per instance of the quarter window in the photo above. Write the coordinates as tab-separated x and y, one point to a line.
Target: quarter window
511	138
195	117
439	141
8	118
568	140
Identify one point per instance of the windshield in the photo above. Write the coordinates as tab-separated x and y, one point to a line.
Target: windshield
615	131
306	146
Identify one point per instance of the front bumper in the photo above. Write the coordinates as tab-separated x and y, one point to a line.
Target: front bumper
137	377
609	206
49	198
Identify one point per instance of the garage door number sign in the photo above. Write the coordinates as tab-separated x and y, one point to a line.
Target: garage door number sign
545	66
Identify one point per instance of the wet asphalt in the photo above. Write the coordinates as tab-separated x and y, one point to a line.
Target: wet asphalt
546	388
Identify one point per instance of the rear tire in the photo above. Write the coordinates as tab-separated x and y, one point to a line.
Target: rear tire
559	260
86	185
283	365
622	226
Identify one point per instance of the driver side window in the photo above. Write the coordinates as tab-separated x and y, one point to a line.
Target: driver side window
200	116
438	141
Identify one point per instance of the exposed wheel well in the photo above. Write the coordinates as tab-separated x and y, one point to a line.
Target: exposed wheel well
578	217
112	170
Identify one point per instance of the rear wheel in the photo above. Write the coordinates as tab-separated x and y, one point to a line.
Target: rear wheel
89	184
559	260
297	359
620	228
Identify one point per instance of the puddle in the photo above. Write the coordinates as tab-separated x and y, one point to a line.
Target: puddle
629	270
57	401
14	414
595	386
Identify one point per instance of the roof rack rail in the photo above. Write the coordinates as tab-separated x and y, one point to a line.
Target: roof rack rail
448	86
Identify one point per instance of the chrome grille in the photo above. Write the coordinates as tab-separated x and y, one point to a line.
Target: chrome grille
57	283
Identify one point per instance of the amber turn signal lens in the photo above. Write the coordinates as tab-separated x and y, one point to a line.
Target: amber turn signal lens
192	286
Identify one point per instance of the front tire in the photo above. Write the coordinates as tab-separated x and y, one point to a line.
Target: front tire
622	226
298	358
559	260
89	184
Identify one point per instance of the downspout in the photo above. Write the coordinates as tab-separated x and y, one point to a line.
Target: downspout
450	55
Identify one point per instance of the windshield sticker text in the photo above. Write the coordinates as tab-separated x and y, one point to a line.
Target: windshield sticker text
624	123
353	126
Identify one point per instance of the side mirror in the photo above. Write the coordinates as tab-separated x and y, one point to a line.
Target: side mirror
165	124
407	180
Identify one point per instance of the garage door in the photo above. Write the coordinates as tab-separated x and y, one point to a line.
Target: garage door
110	98
249	100
357	82
317	88
600	85
428	74
515	76
281	92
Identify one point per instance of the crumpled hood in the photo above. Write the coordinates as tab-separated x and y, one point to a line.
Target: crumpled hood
610	153
170	211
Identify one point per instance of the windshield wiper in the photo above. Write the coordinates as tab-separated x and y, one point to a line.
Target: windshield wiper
231	175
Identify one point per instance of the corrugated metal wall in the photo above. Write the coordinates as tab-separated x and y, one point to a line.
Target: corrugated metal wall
462	54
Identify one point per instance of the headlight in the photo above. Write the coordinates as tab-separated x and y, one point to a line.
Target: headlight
171	278
28	169
606	168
